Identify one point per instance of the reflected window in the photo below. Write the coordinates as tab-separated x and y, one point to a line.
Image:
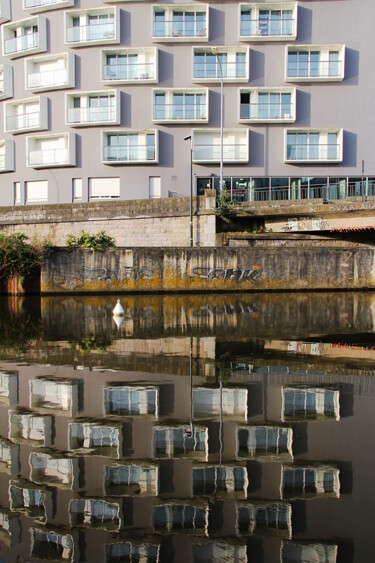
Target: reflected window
311	403
131	401
180	442
170	517
305	481
274	516
264	440
219	478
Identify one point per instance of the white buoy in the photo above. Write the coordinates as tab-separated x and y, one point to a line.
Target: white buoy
118	321
118	311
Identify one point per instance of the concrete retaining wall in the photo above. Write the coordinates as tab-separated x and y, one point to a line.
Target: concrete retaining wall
208	269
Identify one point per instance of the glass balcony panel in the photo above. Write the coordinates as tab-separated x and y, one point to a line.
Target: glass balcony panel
91	115
22	43
49	156
23	121
47	78
93	32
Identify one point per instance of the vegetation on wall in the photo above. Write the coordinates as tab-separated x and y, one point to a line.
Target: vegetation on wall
93	242
224	208
20	257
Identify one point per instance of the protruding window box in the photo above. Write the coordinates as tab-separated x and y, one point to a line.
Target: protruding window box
136	65
95	438
6	81
177	517
215	402
95	513
268	443
180	442
308	551
131	400
9	387
85	109
180	22
35	502
218	550
267	105
220	480
35	6
6	156
60	395
99	26
128	479
315	63
180	106
234	64
54	469
9	456
310	481
51	150
132	550
54	545
29	427
265	517
50	72
5	14
30	114
130	147
268	21
26	37
10	528
206	145
310	403
313	146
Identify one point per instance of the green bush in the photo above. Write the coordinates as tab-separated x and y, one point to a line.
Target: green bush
20	257
93	242
224	207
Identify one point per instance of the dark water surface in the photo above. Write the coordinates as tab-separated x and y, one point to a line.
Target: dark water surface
224	428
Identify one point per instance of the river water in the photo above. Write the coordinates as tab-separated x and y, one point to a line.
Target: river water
224	428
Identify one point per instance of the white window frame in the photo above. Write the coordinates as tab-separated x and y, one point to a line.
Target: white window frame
146	71
228	75
172	33
6	156
230	154
6	79
182	114
259	31
282	116
323	136
68	60
128	133
86	114
316	71
69	149
36	6
84	39
16	31
17	118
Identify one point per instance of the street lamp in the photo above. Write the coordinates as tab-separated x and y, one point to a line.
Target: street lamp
215	52
189	138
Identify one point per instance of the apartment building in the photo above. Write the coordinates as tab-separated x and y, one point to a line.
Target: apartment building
120	100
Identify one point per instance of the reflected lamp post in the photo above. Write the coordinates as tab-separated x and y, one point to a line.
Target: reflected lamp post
189	138
215	52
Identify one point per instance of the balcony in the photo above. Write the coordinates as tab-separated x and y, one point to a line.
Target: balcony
173	517
33	501
180	106
52	545
310	481
6	156
56	394
5	14
51	72
220	480
51	151
84	109
264	517
9	457
314	147
181	441
35	6
9	386
215	402
98	26
6	81
268	443
128	479
54	470
95	438
130	147
30	114
130	66
95	513
26	426
315	63
131	400
268	21
234	64
176	23
206	145
26	37
267	105
310	403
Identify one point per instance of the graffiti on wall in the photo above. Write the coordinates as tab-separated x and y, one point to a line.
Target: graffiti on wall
122	274
306	224
251	273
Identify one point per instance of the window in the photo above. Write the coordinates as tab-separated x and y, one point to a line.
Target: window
52	543
174	24
208	402
154	183
25	37
182	441
6	81
95	513
169	517
95	26
50	72
186	105
17	193
130	147
264	105
54	394
131	479
77	189
313	146
130	65
130	401
310	403
260	22
6	156
91	108
207	146
36	192
30	114
315	63
305	481
104	188
215	479
34	6
253	441
275	516
51	150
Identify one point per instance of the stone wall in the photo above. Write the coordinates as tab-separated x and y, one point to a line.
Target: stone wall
208	269
153	222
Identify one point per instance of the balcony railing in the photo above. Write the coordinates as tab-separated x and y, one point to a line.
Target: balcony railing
231	152
1	86
47	78
207	70
180	112
23	121
2	161
92	115
129	71
191	27
40	3
266	111
48	157
266	27
22	43
314	69
92	32
138	153
313	152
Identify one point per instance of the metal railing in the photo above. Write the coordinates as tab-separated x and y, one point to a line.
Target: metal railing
21	43
47	78
37	3
260	111
314	69
138	153
92	32
231	152
207	70
48	157
186	27
92	115
266	27
313	152
129	71
23	121
180	112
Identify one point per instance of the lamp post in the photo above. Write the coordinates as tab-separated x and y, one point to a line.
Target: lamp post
215	52
189	138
